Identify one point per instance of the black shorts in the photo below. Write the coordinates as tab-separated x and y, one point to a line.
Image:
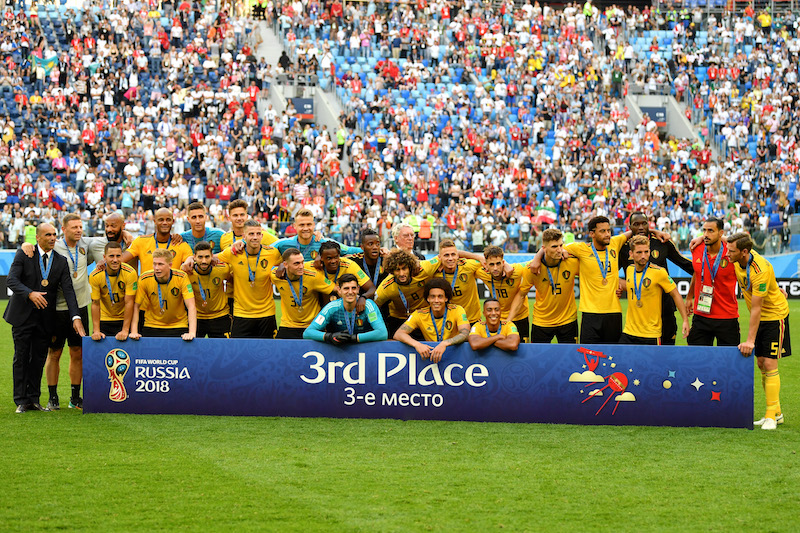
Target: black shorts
633	339
110	328
214	328
565	334
147	331
599	328
254	328
64	330
290	333
393	324
705	330
523	326
772	339
669	328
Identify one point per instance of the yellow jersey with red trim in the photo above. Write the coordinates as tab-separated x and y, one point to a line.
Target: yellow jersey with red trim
554	304
173	294
422	319
389	290
252	299
764	284
123	283
209	292
144	246
312	283
482	330
645	321
596	297
465	290
505	289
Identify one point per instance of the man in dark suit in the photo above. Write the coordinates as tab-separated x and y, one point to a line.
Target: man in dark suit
31	312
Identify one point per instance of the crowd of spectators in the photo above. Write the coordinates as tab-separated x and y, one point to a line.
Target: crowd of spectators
477	121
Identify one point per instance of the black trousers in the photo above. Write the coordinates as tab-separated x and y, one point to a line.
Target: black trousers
30	354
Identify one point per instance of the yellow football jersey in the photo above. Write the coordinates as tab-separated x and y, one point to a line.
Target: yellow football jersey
209	292
143	247
346	266
256	300
506	328
173	294
555	302
506	289
465	290
312	283
596	297
123	283
422	319
645	321
411	300
229	238
762	283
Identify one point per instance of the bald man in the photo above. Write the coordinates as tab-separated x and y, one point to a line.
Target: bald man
35	283
114	232
142	247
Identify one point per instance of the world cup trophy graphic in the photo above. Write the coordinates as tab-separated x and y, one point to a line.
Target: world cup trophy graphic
117	363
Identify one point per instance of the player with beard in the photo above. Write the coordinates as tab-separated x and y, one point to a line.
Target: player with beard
237	213
142	248
332	265
404	288
504	287
113	295
208	284
660	253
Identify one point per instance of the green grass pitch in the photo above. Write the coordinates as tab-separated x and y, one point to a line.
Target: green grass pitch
72	472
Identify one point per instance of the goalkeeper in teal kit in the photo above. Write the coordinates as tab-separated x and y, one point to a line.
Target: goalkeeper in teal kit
340	322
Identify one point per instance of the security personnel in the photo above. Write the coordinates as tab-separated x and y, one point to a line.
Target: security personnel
768	331
166	297
113	295
208	284
433	322
660	252
142	248
340	322
504	288
404	288
646	285
493	331
302	291
554	311
253	304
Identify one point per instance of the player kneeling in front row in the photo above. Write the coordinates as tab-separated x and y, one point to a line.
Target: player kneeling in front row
493	331
647	283
768	332
442	322
339	322
165	295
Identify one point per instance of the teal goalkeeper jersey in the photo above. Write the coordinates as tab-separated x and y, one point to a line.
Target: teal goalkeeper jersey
310	251
369	325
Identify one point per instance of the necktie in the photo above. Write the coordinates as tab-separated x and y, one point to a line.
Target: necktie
45	260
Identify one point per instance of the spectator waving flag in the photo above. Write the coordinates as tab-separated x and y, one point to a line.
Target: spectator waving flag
47	64
545	215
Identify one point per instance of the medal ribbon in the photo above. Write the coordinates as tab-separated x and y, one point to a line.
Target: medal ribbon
488	334
637	288
169	241
297	301
108	285
604	267
707	262
374	277
251	275
455	277
403	298
351	325
45	272
549	275
200	284
493	294
74	259
444	325
160	298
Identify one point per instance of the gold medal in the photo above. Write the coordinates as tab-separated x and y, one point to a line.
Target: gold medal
605	281
45	283
75	275
639	303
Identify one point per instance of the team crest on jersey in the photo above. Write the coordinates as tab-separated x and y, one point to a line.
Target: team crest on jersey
647	282
216	281
314	254
420	283
462	278
82	250
510	282
121	285
724	263
359	321
449	324
613	253
263	263
175	291
565	274
655	254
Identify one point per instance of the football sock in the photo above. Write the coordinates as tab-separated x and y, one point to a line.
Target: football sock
53	390
76	391
772	388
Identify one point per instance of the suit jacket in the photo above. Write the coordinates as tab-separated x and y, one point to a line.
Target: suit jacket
25	277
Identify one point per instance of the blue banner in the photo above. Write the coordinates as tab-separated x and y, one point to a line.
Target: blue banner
568	384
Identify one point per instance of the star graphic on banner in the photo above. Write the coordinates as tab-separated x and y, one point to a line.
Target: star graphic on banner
636	382
630	370
584	366
715	396
697	383
671	374
610	358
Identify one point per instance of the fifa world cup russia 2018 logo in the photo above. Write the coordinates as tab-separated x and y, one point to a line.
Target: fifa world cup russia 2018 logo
117	363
